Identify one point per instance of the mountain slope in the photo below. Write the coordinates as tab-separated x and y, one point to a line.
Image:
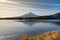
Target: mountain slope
57	15
30	14
54	16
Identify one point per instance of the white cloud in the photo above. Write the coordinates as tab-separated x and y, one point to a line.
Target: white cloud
40	3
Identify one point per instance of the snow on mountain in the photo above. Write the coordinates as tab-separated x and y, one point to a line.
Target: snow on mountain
30	14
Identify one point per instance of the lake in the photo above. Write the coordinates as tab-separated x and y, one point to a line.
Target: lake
10	29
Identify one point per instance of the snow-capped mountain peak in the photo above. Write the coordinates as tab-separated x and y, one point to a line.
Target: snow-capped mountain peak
30	14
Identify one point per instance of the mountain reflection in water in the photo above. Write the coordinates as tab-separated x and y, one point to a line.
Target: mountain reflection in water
32	23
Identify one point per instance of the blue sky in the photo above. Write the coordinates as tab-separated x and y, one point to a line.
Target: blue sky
20	7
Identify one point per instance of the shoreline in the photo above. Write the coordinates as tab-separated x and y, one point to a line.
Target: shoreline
51	35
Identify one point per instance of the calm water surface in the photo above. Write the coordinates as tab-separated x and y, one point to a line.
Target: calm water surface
13	28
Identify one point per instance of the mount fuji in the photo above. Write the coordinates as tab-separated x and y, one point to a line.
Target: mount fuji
30	14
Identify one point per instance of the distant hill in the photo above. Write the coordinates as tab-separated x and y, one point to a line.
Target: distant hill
54	16
57	15
30	14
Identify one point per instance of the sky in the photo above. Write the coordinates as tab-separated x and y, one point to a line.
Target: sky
9	8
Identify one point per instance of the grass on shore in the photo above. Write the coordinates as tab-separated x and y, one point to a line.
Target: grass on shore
53	35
